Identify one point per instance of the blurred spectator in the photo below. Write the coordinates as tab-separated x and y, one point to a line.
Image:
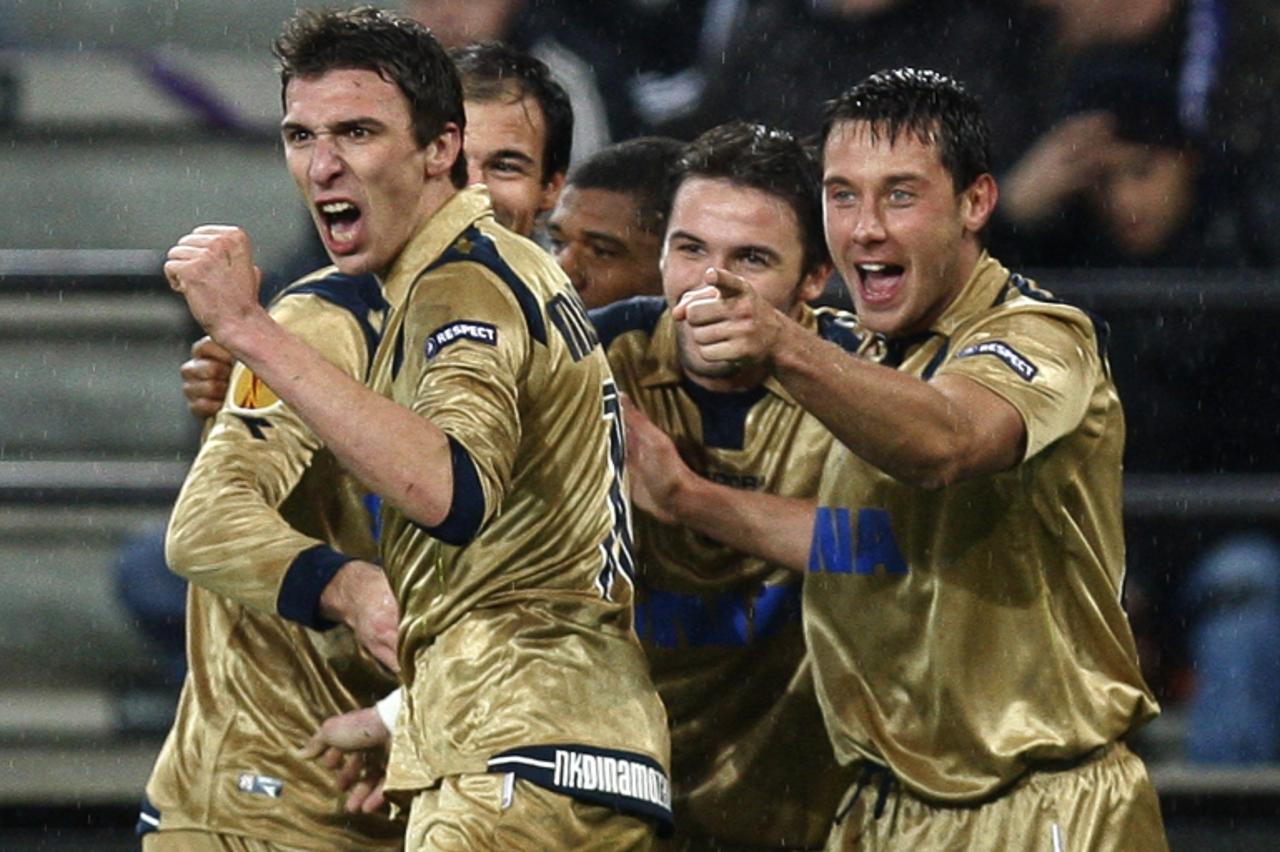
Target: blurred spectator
1218	60
785	58
155	599
589	72
1121	181
1233	597
606	232
666	74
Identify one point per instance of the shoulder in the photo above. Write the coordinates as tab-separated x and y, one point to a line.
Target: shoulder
512	265
639	313
840	327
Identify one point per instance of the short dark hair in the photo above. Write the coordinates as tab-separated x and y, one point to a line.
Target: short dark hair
493	71
769	160
641	168
934	108
396	48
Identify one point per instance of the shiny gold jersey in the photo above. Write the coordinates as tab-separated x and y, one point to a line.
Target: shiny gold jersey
966	635
262	519
751	760
516	625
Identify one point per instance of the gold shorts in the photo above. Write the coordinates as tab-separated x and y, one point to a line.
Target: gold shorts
1105	804
497	811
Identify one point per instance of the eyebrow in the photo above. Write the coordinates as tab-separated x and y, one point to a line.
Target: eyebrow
346	124
510	154
684	235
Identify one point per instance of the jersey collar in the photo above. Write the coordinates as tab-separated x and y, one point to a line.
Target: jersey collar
463	209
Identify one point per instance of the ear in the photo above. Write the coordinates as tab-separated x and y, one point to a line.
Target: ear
978	202
442	151
551	192
812	285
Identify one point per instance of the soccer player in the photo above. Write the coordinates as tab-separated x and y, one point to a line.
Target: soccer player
495	445
519	131
962	601
751	762
518	144
606	230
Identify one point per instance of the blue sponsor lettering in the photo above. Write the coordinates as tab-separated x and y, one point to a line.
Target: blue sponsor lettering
671	620
841	547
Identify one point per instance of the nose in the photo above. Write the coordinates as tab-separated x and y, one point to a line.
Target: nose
326	161
868	227
570	260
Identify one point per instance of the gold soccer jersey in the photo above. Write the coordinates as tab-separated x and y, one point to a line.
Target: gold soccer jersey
751	760
967	635
264	520
516	640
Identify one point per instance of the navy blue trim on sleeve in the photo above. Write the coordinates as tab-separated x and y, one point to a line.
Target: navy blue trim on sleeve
305	581
467	509
639	313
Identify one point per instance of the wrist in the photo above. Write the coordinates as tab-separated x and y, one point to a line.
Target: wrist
242	334
337	601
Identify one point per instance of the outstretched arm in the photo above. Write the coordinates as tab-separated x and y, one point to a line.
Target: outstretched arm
768	526
928	434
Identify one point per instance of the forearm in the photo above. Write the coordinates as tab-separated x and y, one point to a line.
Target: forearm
395	453
768	526
906	427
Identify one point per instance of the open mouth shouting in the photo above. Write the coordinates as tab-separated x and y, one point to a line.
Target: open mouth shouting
879	283
341	220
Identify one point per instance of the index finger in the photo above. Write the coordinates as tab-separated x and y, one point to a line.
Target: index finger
729	285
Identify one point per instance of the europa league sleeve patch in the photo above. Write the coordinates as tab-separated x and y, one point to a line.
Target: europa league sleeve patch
1006	353
251	392
447	335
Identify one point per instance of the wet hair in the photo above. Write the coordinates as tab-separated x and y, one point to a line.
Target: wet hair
769	160
493	71
398	49
935	109
641	168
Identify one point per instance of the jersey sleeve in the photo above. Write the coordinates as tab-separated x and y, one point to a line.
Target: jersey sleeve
1045	364
226	533
465	359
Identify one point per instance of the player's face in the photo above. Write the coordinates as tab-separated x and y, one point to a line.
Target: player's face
597	238
504	143
901	236
1144	196
748	232
350	146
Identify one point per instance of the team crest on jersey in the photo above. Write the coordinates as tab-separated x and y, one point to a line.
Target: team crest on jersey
251	392
1006	353
446	335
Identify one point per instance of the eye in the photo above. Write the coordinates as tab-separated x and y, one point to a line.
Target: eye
507	168
297	136
358	133
901	196
689	249
753	257
841	196
603	252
